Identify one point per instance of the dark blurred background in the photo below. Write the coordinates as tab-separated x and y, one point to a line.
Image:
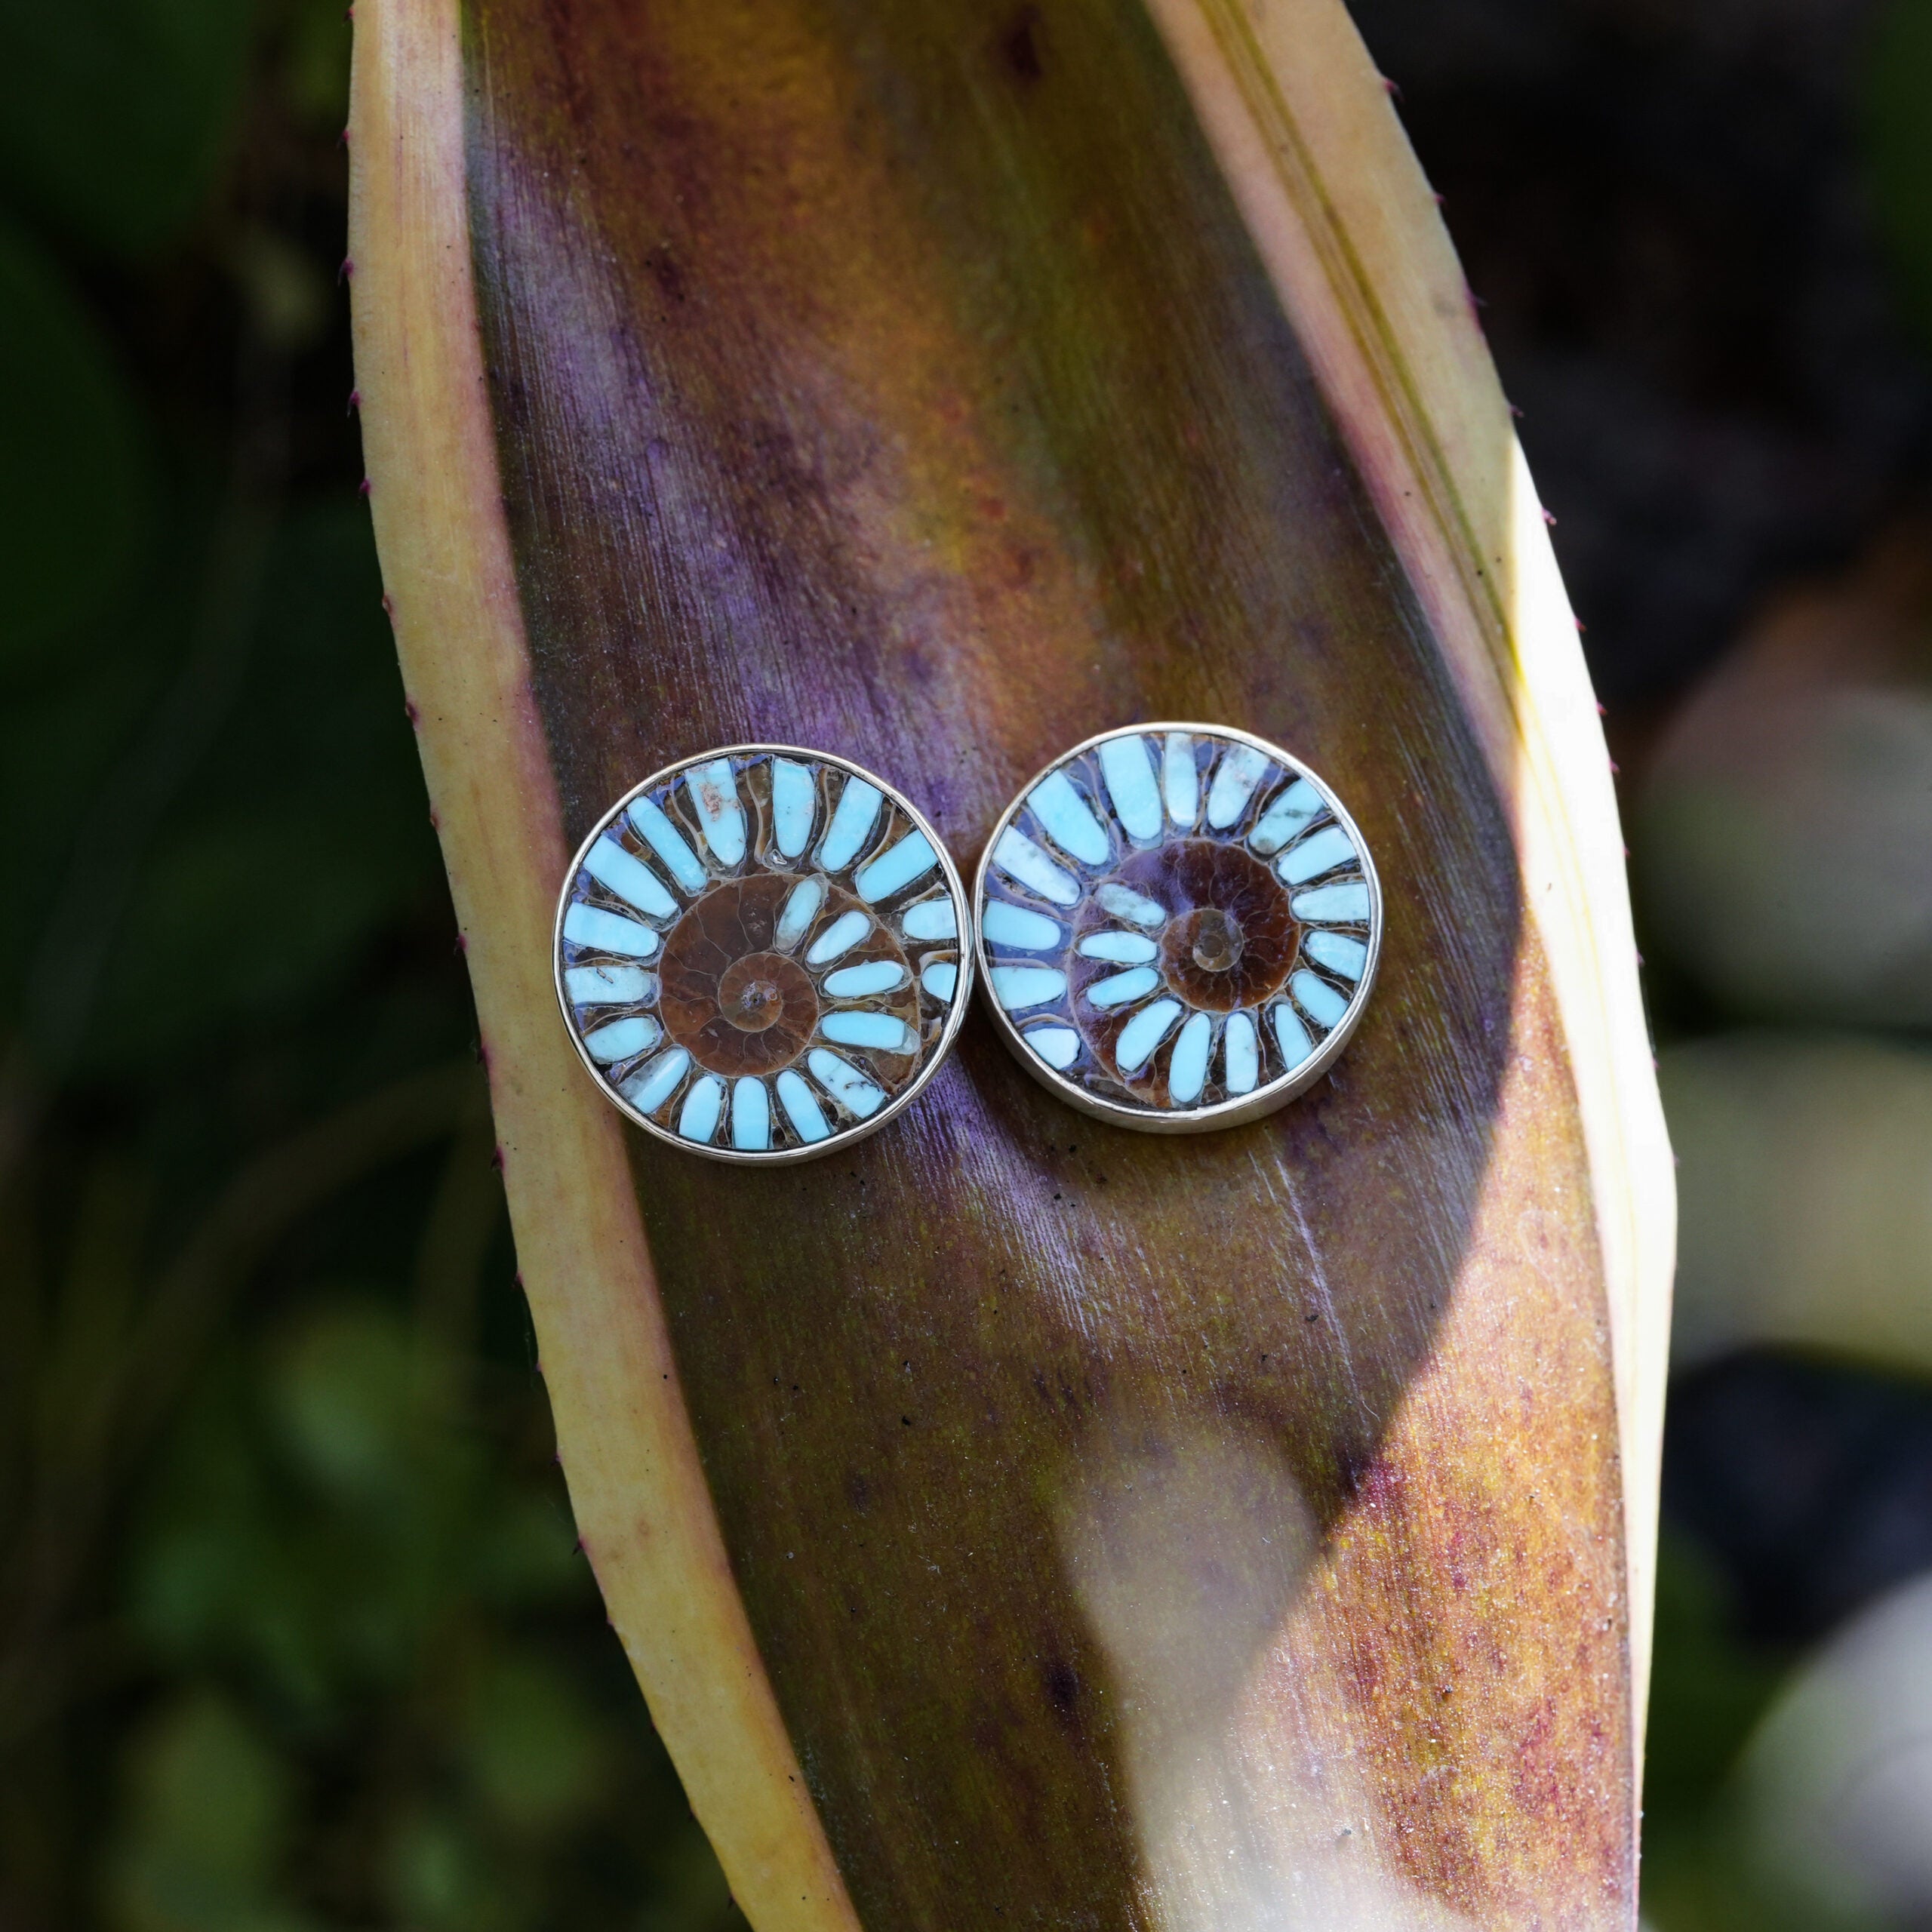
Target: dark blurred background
293	1633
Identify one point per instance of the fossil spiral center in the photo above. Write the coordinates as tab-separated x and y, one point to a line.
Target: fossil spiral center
1216	941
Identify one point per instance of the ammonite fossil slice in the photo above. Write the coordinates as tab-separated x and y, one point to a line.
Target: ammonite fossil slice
1179	925
758	953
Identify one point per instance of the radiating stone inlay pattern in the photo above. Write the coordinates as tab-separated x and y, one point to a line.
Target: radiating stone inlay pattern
1175	920
759	952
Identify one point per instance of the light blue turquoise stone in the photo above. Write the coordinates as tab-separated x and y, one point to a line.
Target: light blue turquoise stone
871	976
1143	1033
1187	1071
931	919
1292	1036
623	1039
941	980
1321	852
845	1083
751	1116
1180	782
1017	856
1069	819
796	914
713	792
807	1119
1241	1054
1058	1046
1122	949
794	801
608	985
1016	987
1239	772
1005	924
879	1031
1318	999
844	933
668	842
852	825
1125	903
629	877
1291	810
648	1089
698	1118
896	868
1121	988
1338	952
1129	772
1344	903
600	931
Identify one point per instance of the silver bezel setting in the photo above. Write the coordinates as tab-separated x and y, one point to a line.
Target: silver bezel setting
1267	1098
933	1053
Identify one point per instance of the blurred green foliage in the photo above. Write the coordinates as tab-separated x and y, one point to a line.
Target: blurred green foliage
1898	147
294	1633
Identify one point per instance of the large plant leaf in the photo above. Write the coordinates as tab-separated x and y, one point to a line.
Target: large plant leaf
1015	1521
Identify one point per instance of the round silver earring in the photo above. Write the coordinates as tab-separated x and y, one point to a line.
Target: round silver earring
1178	927
760	954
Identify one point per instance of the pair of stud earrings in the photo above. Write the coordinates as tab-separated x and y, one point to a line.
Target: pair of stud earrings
764	953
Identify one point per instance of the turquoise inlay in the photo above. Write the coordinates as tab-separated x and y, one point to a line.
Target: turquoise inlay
1235	777
879	1031
623	1039
713	792
1123	949
1129	772
698	1120
1069	819
648	1089
896	867
871	976
1318	999
794	803
629	877
807	1121
845	1083
1320	852
751	1116
1292	809
1293	1035
1344	904
1180	782
608	932
1143	1033
1058	1046
931	919
1187	1071
941	980
1122	987
796	914
1020	859
609	985
1005	925
1016	986
852	825
1125	903
1338	952
1241	1054
668	842
844	933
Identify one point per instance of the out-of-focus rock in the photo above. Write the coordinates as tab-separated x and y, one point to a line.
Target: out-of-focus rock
1839	1775
1804	1190
1784	833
